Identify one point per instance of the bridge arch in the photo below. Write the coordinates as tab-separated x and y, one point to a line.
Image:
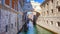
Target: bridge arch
35	16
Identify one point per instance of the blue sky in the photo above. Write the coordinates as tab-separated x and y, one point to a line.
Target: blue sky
40	1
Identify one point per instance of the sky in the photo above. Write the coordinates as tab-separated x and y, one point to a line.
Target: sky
40	1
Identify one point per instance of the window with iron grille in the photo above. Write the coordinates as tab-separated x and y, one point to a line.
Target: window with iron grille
52	10
52	22
58	9
58	24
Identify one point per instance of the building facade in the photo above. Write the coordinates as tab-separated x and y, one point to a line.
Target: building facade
10	16
50	15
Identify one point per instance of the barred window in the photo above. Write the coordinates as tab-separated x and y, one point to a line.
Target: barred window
11	25
58	24
52	10
52	22
58	9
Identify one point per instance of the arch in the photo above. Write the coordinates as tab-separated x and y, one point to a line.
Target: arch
35	17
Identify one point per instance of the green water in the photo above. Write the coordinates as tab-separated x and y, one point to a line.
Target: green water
36	30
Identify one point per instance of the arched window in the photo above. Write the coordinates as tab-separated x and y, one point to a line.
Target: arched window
7	2
13	4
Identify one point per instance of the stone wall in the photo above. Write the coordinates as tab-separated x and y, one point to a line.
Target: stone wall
9	20
50	16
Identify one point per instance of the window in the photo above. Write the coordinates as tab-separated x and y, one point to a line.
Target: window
11	25
47	3
47	12
7	2
52	22
52	1
58	9
47	22
58	24
13	4
6	28
57	2
52	10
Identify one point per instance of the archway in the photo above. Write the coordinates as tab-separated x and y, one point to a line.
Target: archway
32	16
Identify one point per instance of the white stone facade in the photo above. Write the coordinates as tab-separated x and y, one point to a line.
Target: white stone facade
36	6
50	15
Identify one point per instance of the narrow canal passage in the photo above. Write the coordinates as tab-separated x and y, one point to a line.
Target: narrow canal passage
34	29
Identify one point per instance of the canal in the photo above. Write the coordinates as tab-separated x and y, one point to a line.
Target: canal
35	29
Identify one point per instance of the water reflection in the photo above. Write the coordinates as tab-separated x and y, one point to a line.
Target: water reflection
32	29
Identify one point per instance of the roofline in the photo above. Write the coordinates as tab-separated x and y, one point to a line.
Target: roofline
44	2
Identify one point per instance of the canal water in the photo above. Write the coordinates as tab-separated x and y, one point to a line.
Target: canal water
35	29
